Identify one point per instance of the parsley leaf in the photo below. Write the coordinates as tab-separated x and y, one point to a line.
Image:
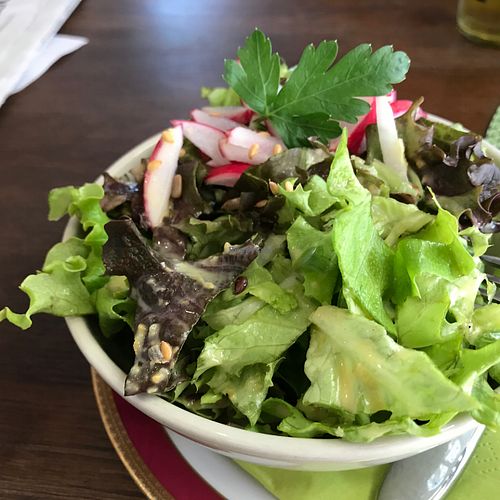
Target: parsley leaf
257	74
318	92
295	130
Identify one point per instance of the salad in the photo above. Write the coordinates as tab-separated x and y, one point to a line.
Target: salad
300	257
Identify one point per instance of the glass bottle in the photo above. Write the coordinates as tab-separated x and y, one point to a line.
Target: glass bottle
479	20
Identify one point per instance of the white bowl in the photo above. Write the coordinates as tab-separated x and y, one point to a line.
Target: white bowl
275	451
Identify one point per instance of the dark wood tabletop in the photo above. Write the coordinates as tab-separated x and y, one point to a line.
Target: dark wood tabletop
145	63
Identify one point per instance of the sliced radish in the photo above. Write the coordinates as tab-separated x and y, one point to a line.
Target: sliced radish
240	114
390	144
249	146
159	174
356	130
351	127
205	138
356	139
392	96
217	122
227	175
244	137
401	106
233	153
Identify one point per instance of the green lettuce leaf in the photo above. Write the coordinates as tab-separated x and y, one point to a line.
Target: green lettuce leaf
474	363
220	314
114	306
463	296
348	353
85	203
290	377
445	355
365	262
415	135
480	241
393	180
489	411
253	185
437	249
231	308
292	422
485	330
471	375
394	426
72	280
394	219
262	338
310	200
272	247
485	325
247	390
444	309
312	255
430	308
58	289
220	96
342	182
368	177
73	270
245	353
282	270
262	285
207	237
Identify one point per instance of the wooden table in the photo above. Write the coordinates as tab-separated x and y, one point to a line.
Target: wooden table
144	65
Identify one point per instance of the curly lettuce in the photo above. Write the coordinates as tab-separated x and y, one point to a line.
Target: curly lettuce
72	281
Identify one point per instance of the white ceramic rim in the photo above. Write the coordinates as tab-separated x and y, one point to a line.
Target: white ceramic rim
228	439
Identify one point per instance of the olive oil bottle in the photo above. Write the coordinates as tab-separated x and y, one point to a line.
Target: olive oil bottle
479	20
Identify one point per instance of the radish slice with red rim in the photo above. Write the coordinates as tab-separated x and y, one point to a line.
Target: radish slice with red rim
249	146
239	114
232	153
217	122
401	106
205	138
391	145
159	175
356	139
227	175
356	130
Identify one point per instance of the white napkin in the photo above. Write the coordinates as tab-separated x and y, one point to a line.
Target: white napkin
27	40
56	48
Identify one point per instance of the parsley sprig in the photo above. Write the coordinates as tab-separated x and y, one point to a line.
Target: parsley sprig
318	94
